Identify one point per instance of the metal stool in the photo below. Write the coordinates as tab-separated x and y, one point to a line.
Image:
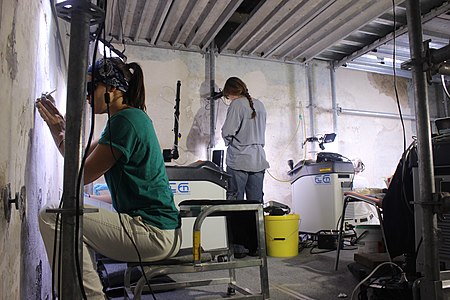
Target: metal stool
203	262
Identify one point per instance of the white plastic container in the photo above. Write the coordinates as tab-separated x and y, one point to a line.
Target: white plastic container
370	239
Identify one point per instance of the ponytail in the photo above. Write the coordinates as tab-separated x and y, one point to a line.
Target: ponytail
135	95
250	101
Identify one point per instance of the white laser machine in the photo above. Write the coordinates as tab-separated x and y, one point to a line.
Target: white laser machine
317	193
200	180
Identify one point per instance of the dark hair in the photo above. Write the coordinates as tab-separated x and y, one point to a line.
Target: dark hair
133	78
236	87
135	95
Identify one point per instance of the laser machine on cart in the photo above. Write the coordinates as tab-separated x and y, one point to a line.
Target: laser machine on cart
200	180
318	186
317	193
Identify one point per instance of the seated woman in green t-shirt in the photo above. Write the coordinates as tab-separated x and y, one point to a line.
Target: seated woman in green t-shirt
129	156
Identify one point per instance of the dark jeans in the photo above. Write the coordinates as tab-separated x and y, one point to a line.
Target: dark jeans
242	225
250	183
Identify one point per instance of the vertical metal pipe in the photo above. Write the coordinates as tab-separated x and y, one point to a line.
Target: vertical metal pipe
212	103
429	286
333	98
76	98
309	77
312	130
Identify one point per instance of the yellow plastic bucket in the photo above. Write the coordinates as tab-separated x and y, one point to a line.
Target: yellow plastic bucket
282	235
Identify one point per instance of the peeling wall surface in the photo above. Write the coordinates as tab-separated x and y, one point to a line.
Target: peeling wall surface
298	100
30	64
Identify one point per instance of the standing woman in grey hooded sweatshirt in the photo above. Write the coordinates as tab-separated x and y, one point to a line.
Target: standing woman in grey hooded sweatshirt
244	134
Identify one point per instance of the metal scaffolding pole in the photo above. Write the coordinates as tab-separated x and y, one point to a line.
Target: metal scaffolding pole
430	285
81	14
76	97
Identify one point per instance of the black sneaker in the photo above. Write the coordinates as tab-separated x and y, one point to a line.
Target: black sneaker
239	251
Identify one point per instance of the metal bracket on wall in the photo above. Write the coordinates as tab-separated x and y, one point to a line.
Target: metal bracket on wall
19	201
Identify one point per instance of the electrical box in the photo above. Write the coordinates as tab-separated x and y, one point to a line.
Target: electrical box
328	239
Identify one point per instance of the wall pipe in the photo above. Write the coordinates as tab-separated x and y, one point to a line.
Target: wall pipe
334	98
430	286
212	101
367	113
309	78
311	105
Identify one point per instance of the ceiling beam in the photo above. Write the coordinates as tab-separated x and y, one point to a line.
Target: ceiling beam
389	37
184	20
318	42
224	17
194	30
147	19
263	13
305	17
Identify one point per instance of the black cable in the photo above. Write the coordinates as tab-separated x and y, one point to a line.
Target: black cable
417	249
395	77
405	158
55	243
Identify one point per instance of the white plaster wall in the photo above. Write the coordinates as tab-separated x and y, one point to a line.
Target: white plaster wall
377	141
31	62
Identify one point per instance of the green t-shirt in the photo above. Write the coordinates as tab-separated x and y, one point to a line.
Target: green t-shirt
138	181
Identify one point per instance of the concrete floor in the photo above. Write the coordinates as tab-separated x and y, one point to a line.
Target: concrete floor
306	276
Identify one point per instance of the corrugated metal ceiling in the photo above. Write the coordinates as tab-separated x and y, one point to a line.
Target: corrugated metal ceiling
354	33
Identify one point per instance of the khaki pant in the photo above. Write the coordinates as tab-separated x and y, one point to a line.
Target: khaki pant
104	233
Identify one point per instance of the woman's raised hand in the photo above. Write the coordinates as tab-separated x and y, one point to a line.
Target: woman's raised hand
51	115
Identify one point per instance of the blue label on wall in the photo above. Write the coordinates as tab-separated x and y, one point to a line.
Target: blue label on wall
322	179
180	187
